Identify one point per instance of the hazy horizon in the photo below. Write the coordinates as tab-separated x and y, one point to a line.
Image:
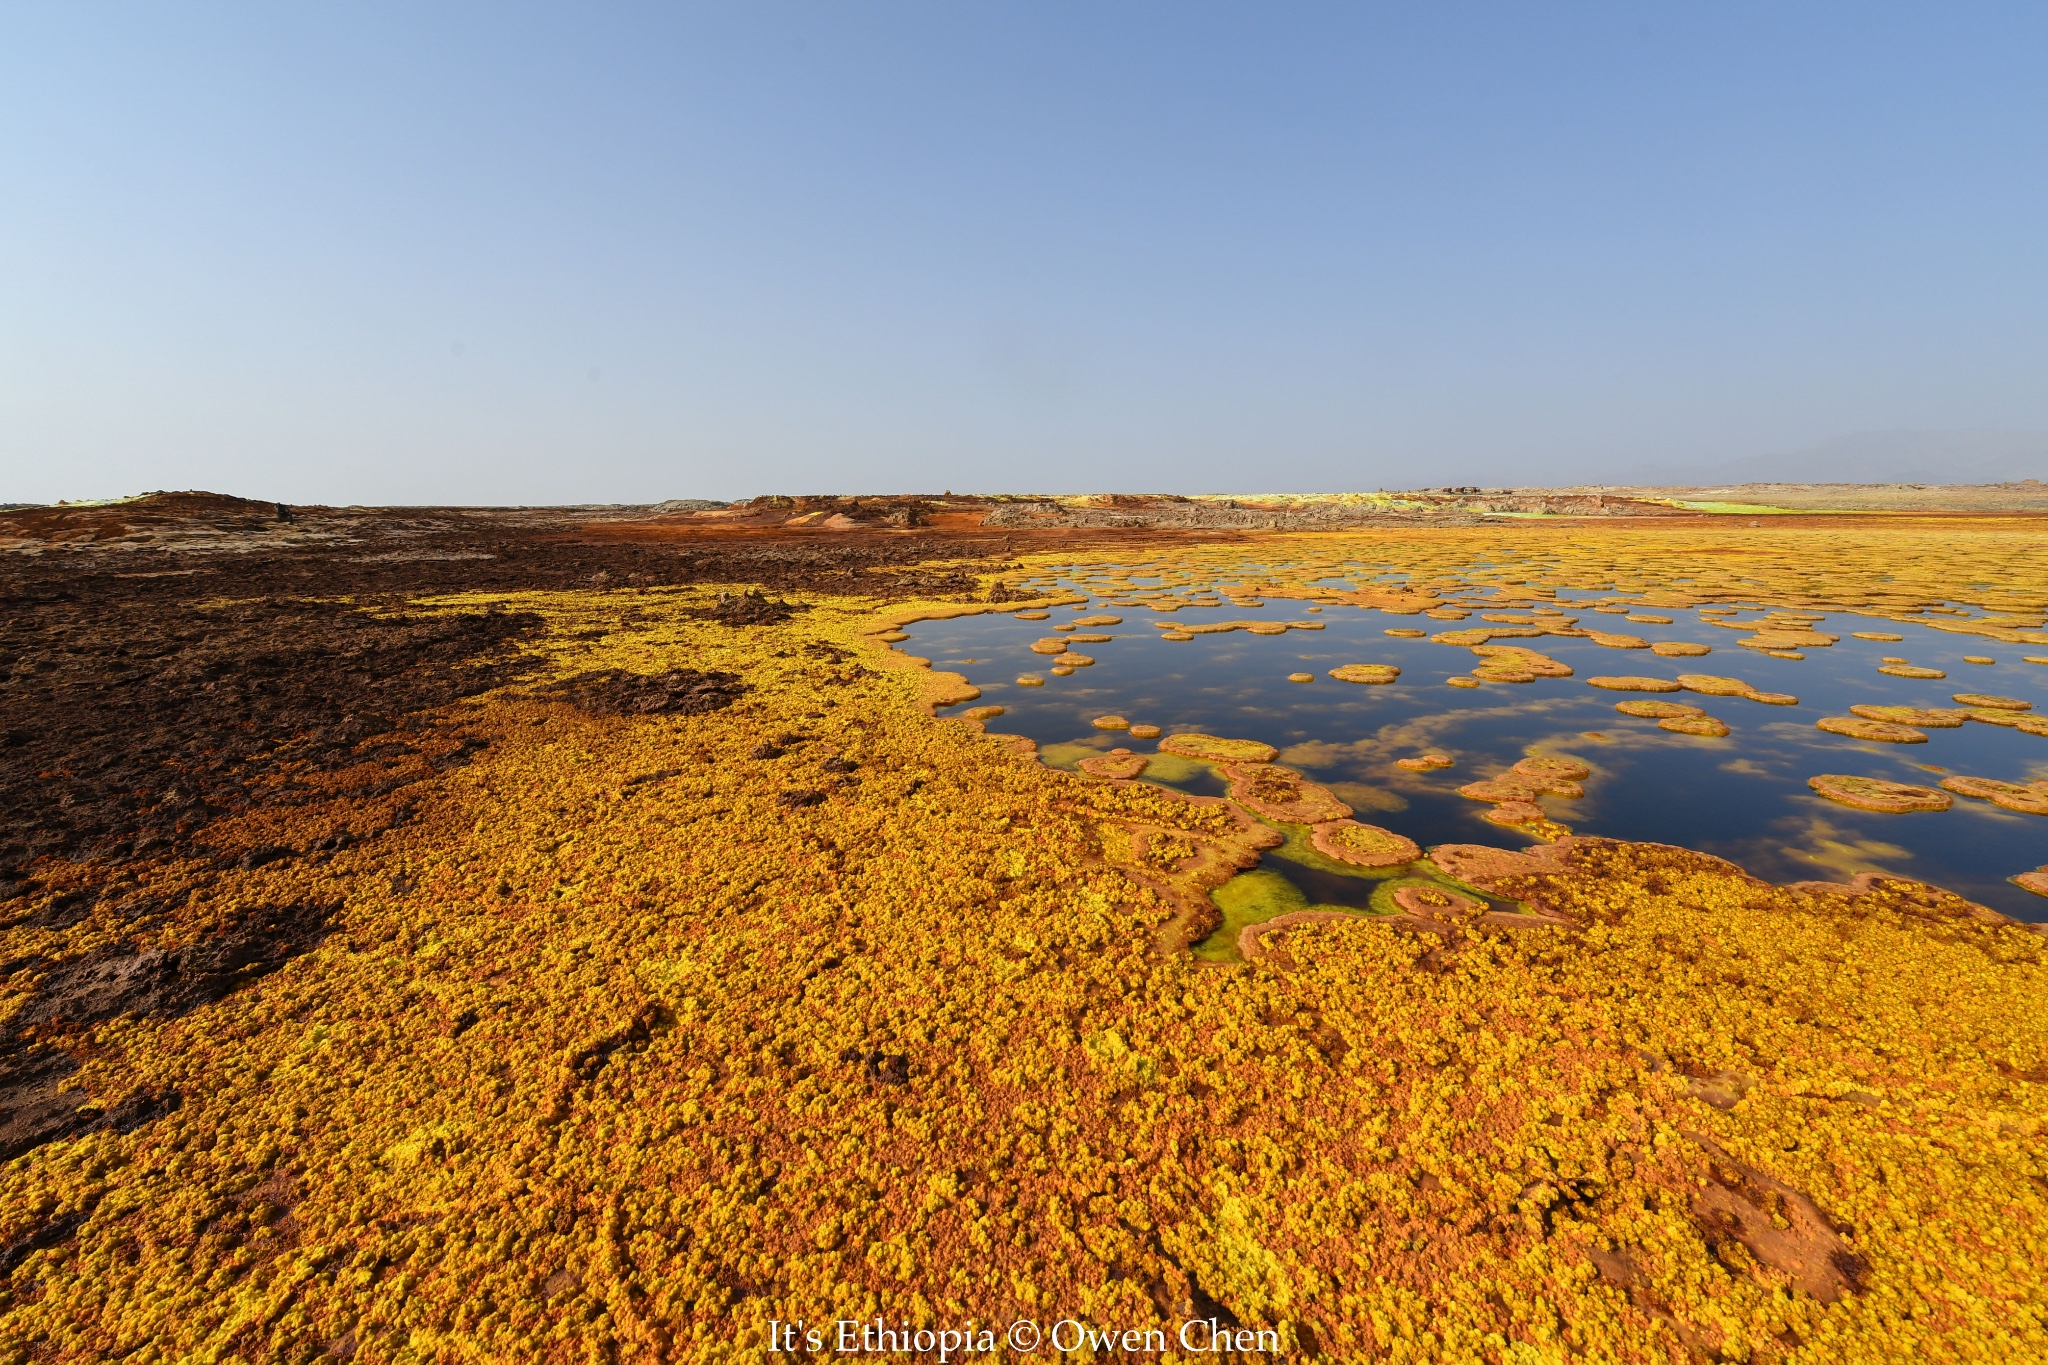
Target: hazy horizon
1860	458
531	255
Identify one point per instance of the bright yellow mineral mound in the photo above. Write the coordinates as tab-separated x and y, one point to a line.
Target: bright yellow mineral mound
1363	845
1365	673
1552	768
1518	659
1432	902
1857	727
1657	710
1508	786
1282	794
1920	716
1513	814
1633	684
1710	685
1117	766
1875	793
1786	641
2026	798
1214	750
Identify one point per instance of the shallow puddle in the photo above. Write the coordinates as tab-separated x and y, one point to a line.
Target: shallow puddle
1743	797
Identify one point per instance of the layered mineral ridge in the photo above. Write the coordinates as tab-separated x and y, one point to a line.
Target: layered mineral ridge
449	936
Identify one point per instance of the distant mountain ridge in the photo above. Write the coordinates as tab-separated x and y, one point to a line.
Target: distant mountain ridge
1939	457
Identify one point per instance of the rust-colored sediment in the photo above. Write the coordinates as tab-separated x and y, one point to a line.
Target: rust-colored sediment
544	937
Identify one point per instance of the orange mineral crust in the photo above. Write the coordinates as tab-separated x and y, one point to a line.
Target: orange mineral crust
678	965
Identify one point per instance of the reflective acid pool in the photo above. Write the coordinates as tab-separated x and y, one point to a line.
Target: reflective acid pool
1743	797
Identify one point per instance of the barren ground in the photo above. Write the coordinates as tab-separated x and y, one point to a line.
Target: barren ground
566	934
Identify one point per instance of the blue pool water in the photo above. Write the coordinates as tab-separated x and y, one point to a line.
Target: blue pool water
1743	797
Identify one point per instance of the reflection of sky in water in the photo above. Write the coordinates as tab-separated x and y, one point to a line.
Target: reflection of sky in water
1743	797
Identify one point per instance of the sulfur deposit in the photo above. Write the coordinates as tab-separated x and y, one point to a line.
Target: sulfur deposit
618	971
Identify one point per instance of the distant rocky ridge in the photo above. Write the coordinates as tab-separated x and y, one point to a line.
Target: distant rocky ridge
195	521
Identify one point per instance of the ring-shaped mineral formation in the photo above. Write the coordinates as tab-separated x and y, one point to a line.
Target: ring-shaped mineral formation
1363	845
1874	793
1212	749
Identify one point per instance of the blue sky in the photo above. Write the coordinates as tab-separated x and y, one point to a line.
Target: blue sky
503	253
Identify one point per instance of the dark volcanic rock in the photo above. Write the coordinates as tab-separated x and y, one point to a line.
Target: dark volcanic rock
166	981
135	718
75	995
680	691
751	608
